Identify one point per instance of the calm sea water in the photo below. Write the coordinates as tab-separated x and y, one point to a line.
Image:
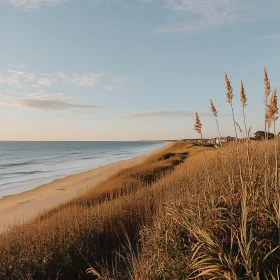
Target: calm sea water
26	165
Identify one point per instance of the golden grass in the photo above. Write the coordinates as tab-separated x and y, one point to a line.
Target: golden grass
205	229
61	242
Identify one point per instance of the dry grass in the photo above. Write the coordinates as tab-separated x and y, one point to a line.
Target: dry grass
212	230
188	212
63	241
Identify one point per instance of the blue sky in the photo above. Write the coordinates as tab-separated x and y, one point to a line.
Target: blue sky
132	69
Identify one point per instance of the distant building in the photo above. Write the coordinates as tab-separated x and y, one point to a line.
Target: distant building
198	140
219	141
214	141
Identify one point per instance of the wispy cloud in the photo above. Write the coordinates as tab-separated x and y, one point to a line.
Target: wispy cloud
34	4
52	105
186	15
198	14
195	15
10	81
39	93
45	95
49	105
25	89
109	82
149	114
27	76
22	79
45	82
82	80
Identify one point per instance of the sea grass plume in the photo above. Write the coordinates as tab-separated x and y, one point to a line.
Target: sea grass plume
243	97
267	90
266	85
272	109
229	93
198	125
213	109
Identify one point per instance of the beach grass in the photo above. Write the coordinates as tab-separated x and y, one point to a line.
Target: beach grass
63	241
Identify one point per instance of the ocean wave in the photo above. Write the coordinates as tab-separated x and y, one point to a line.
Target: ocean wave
2	166
22	172
21	183
88	158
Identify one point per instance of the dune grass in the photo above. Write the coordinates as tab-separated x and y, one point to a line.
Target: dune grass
188	212
63	241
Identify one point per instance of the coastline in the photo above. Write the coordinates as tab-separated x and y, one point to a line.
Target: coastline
19	208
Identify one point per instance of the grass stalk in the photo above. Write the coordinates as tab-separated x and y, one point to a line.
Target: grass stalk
198	129
215	114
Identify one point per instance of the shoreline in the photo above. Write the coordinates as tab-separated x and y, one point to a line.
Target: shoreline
40	176
22	207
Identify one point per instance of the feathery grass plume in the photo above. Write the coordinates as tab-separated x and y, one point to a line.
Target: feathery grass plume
213	109
267	90
266	85
272	109
229	93
272	112
243	97
198	125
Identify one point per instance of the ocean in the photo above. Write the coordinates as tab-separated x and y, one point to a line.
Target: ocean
27	165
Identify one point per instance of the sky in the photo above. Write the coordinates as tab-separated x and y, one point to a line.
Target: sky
133	69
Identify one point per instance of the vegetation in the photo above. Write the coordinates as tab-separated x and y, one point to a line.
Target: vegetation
62	242
261	135
189	212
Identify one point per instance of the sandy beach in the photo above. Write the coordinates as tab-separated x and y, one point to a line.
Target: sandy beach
19	208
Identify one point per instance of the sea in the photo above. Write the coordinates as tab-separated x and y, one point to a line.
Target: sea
27	165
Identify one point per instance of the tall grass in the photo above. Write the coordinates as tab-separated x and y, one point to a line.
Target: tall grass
63	241
226	230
